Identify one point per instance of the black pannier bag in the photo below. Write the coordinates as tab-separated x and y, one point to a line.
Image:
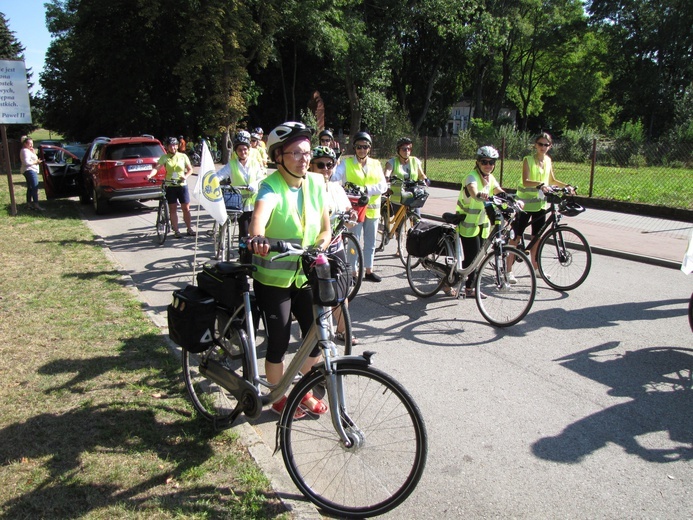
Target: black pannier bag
221	281
191	317
422	239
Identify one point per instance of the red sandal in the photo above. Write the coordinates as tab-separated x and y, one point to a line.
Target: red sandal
319	408
279	406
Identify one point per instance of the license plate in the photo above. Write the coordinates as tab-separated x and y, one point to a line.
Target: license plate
139	167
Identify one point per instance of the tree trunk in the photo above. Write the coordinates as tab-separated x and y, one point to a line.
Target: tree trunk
354	104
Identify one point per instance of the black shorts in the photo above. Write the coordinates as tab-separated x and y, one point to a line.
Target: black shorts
176	194
538	220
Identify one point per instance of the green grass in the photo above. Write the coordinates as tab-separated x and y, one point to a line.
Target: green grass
94	418
41	134
671	187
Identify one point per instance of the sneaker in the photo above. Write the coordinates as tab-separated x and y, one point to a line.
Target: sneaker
372	277
511	278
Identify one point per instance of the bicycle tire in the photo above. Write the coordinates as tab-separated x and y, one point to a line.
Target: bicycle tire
564	258
504	304
210	400
690	312
382	236
386	463
339	318
427	275
232	237
408	222
215	239
354	255
162	222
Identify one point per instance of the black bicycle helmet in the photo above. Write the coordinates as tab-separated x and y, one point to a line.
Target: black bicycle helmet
570	208
171	140
284	133
487	152
402	141
325	133
362	136
324	151
242	137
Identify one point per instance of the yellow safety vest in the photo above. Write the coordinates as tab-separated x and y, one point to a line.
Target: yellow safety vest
355	174
398	170
290	223
237	178
532	197
475	219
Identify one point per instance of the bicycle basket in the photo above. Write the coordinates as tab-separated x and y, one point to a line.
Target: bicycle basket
191	317
233	200
570	208
359	206
414	197
423	238
341	279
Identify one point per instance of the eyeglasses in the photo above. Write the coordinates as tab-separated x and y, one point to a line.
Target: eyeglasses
298	155
545	145
487	162
362	146
324	166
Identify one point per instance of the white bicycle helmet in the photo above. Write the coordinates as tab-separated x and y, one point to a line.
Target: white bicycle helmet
284	133
487	152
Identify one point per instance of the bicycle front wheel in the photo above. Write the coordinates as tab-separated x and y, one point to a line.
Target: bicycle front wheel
162	222
354	255
409	222
426	275
210	400
500	302
564	258
388	450
382	236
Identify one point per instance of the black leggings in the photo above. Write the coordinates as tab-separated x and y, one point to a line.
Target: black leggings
277	304
470	247
244	223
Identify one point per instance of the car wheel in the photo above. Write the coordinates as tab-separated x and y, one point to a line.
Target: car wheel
99	203
84	197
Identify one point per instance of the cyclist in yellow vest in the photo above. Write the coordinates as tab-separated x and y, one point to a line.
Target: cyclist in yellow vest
290	206
404	166
367	174
257	147
242	170
477	186
537	178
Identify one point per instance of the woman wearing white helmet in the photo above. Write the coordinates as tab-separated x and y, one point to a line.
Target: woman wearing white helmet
477	186
290	206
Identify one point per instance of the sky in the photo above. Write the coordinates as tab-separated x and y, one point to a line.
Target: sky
27	19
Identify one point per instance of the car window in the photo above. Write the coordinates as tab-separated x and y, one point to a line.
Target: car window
95	152
133	151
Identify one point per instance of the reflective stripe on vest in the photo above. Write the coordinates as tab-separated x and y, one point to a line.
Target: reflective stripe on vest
355	175
475	219
287	223
238	179
533	199
398	170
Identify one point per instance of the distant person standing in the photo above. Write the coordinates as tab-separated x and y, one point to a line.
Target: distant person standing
30	170
182	144
178	169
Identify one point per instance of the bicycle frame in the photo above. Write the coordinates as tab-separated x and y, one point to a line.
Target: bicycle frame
552	221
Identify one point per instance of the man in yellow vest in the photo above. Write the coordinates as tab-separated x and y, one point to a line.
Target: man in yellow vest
290	206
367	174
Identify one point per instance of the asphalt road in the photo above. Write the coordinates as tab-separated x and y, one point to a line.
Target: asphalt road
582	410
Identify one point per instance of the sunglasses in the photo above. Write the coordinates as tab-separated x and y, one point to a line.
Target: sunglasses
324	166
545	145
486	162
362	146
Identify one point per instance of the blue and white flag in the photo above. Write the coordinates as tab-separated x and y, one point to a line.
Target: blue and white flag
207	190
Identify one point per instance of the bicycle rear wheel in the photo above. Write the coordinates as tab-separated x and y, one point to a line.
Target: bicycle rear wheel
209	399
382	236
501	303
426	275
354	255
163	224
409	222
564	258
389	443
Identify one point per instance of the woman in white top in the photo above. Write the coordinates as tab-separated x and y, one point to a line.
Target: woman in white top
30	169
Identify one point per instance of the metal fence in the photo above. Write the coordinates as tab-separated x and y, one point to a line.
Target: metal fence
652	173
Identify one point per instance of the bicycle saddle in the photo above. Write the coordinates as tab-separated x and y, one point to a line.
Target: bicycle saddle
453	218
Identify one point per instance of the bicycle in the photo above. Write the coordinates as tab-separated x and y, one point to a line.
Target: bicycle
563	254
225	237
163	216
339	461
500	302
352	248
398	223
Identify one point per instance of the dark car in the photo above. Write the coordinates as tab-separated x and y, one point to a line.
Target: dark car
116	169
60	169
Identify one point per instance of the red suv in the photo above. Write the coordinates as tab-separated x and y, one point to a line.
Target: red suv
116	169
